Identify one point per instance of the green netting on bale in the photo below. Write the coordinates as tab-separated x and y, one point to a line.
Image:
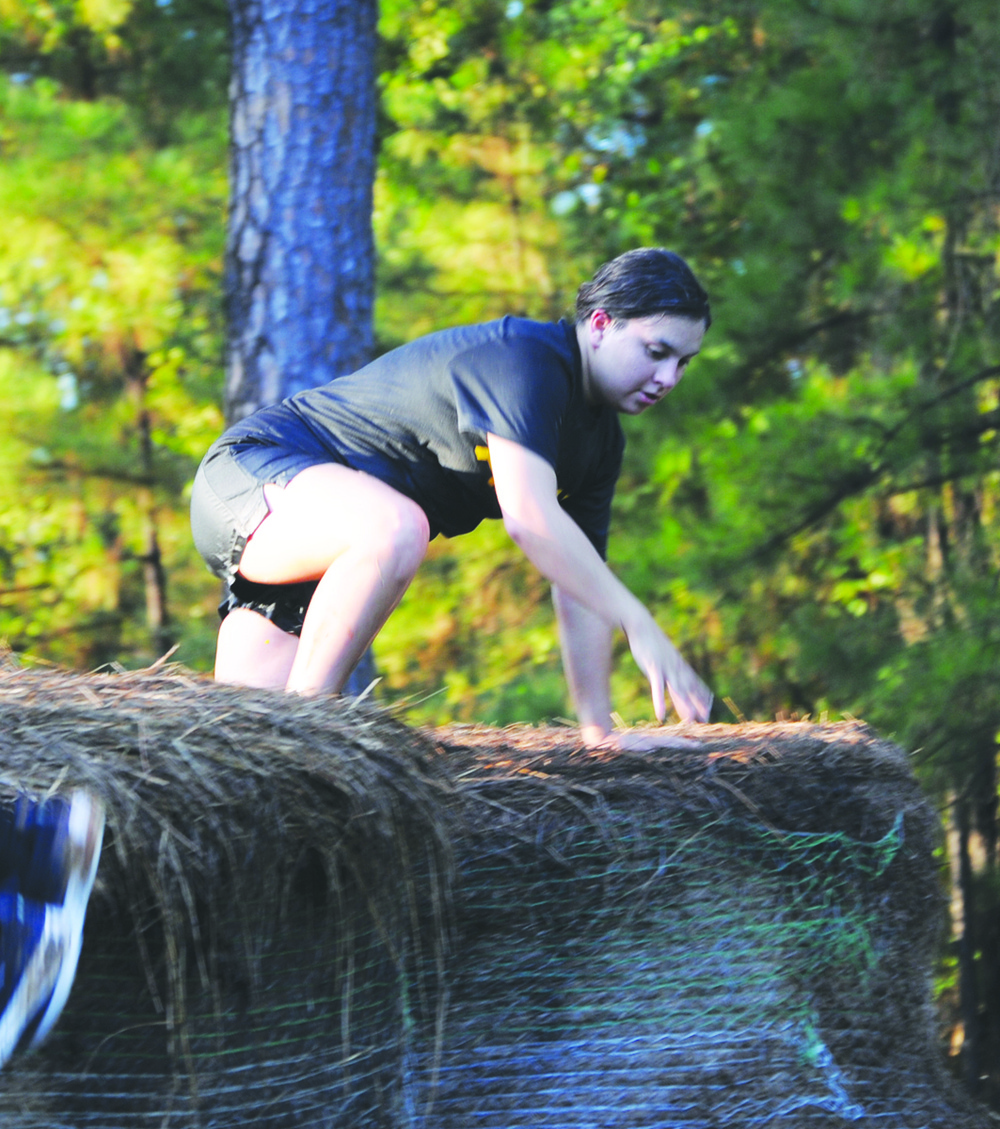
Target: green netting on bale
738	937
679	990
309	915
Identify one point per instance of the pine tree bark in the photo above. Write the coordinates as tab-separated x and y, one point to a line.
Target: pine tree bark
969	1002
299	259
154	573
300	253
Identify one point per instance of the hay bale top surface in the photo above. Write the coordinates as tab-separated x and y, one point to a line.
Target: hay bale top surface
209	787
796	775
178	730
686	748
171	730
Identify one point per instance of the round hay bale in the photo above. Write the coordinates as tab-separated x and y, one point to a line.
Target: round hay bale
271	867
740	936
309	914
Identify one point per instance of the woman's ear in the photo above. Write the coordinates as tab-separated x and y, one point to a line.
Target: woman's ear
597	325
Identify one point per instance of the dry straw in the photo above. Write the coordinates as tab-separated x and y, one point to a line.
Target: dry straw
310	914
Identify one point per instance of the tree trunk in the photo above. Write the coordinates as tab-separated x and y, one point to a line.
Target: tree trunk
300	256
154	575
968	981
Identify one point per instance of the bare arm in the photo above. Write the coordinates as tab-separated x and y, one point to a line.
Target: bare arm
586	649
559	549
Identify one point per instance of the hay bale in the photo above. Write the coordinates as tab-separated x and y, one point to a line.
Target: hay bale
309	914
255	927
738	937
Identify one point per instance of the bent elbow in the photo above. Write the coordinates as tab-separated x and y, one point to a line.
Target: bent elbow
529	536
518	531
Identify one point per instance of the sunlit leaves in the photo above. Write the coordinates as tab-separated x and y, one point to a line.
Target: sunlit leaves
555	114
110	319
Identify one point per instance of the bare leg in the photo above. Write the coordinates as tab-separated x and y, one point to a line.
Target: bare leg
253	652
362	540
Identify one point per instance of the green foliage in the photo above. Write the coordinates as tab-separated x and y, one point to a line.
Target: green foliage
849	507
166	58
110	346
511	155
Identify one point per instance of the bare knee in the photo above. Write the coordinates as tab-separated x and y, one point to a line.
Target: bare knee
400	539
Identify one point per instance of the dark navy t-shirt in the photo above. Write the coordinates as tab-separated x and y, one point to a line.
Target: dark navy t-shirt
417	418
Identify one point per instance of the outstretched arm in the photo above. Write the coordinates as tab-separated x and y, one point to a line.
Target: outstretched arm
559	549
586	650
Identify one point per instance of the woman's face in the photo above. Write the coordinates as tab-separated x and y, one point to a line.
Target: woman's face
632	365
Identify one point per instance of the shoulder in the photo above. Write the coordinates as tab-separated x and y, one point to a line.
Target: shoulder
516	347
547	337
508	335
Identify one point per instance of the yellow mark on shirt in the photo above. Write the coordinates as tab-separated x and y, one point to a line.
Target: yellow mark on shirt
483	456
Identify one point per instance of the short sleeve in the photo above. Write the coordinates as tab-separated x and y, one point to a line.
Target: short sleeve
516	387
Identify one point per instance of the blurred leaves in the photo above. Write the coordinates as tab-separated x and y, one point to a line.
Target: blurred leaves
110	324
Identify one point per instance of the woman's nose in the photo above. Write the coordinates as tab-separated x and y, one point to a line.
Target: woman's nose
668	374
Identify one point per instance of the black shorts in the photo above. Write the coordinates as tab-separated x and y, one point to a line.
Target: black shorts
227	505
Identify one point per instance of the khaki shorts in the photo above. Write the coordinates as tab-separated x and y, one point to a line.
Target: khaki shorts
227	505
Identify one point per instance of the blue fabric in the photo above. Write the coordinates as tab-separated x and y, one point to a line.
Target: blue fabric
32	849
417	418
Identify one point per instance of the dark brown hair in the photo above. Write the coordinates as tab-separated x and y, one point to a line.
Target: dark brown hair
641	283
